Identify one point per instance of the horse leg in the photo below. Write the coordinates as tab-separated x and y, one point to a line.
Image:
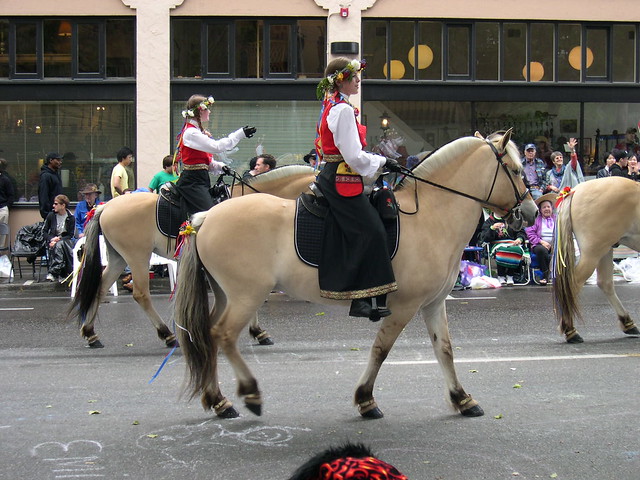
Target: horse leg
225	332
140	276
109	275
256	331
605	283
387	335
435	317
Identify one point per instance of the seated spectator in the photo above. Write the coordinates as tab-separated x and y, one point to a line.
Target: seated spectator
349	461
506	246
540	234
633	169
163	176
606	170
58	230
619	169
90	193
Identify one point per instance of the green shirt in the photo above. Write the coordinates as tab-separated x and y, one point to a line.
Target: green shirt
160	179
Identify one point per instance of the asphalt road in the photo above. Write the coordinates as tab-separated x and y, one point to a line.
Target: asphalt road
72	412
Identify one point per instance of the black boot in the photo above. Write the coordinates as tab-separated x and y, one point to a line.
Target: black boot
360	307
379	308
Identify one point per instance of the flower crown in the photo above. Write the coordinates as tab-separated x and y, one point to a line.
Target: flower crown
328	83
203	105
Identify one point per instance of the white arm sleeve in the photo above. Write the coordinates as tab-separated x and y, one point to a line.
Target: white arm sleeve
342	123
194	138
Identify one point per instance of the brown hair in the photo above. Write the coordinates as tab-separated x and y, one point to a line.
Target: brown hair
193	102
334	66
555	154
62	199
167	161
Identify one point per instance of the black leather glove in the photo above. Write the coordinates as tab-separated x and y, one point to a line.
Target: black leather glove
392	165
249	131
226	170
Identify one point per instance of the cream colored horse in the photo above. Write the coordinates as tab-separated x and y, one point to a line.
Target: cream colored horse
128	223
464	175
601	214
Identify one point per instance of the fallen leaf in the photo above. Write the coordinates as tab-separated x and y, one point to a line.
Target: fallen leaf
355	349
92	401
94	412
473	370
129	345
152	435
553	475
135	422
49	406
498	417
517	385
319	314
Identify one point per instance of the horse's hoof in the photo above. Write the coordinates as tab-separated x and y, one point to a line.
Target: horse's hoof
96	344
373	414
475	411
254	408
266	341
632	331
228	413
575	339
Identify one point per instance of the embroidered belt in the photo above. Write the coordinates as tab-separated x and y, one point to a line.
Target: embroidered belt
333	158
199	166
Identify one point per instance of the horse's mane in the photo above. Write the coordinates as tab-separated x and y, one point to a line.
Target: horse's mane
279	173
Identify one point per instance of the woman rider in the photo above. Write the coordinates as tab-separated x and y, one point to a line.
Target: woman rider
196	149
355	262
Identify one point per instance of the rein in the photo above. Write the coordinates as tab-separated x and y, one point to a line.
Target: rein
513	211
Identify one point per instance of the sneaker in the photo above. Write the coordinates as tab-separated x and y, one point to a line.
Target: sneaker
50	278
509	280
502	280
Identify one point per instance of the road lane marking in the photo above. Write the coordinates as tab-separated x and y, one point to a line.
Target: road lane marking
513	359
14	309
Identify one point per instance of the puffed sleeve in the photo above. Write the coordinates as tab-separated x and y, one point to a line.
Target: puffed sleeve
342	123
194	138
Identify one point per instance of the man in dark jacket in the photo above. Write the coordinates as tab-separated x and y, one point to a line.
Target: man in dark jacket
50	183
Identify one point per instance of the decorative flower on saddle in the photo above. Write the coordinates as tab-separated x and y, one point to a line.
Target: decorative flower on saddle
565	192
327	84
204	105
186	230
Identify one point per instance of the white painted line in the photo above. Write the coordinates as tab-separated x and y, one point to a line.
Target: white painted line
28	282
449	297
15	309
512	359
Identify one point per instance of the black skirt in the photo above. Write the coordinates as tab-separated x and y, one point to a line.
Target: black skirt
194	186
354	260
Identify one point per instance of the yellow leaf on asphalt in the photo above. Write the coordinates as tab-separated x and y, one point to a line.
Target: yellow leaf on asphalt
92	401
94	412
319	314
355	349
553	475
517	385
129	345
152	435
498	417
473	370
135	422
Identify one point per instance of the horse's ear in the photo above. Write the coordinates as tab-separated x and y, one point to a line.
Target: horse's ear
478	135
505	139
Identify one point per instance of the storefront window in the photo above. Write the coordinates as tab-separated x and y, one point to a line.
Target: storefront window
280	48
187	48
311	48
487	51
57	48
459	51
89	54
542	53
88	135
4	48
374	48
26	48
249	48
624	51
120	47
429	51
515	51
218	48
570	52
402	42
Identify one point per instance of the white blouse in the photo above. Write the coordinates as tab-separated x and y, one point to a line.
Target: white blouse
194	138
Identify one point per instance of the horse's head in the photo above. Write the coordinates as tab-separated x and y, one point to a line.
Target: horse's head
508	196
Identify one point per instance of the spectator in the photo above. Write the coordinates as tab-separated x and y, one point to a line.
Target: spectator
534	173
119	175
606	170
554	176
619	169
90	193
196	149
7	197
311	158
165	175
58	232
630	142
540	234
633	171
573	172
50	183
252	167
506	246
264	163
348	461
544	150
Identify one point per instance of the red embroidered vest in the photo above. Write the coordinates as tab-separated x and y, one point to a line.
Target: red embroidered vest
325	144
191	156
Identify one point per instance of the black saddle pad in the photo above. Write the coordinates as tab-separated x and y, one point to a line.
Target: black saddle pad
169	216
309	230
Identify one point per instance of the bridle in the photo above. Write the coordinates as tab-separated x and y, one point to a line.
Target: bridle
513	214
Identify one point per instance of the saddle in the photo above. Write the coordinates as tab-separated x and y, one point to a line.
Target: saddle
311	210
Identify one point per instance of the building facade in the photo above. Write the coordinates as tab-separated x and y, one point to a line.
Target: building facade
86	78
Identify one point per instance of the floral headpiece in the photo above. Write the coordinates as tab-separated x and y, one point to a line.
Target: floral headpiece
328	83
203	105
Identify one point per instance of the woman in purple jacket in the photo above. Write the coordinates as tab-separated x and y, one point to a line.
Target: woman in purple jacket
540	234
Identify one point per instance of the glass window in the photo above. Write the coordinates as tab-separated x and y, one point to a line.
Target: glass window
57	48
121	38
402	42
280	48
542	52
597	53
26	48
515	51
623	56
374	48
4	48
459	51
569	52
487	51
218	48
429	51
249	48
87	134
312	40
187	49
89	44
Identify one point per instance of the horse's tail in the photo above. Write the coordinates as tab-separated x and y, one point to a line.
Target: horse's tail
565	299
90	273
192	319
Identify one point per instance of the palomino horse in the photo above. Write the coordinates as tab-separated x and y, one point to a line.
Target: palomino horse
462	176
601	214
129	227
